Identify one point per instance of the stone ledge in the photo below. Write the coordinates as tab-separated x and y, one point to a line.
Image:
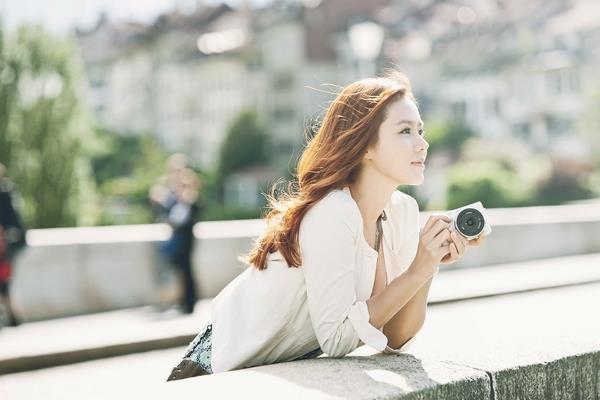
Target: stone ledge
352	377
541	345
573	377
400	377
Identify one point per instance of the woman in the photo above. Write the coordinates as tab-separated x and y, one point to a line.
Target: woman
342	262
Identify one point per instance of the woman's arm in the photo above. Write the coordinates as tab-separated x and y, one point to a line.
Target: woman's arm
409	320
391	300
406	289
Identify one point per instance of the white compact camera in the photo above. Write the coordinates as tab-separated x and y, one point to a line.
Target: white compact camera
470	221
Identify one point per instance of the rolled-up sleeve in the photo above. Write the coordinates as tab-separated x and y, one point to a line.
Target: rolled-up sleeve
328	248
405	347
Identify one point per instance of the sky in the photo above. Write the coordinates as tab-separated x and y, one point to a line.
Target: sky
61	16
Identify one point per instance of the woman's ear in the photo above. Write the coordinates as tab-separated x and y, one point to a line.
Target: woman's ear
368	155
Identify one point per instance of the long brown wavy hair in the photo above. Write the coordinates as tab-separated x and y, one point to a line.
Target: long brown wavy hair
331	160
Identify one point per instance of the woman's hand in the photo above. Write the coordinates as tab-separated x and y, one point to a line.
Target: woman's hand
458	247
477	242
433	246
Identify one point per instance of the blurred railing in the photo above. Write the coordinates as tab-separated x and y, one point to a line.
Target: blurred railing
70	271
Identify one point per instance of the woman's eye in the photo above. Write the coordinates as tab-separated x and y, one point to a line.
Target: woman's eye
407	130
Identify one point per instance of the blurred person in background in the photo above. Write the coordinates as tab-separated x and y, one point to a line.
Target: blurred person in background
177	197
343	261
163	194
12	238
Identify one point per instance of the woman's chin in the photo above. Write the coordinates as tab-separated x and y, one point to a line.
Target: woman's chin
412	183
417	181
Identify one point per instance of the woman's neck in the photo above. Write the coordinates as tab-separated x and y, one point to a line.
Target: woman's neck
371	196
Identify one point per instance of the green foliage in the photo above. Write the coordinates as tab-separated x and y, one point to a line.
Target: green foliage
487	181
8	97
246	144
505	173
117	155
561	187
209	192
42	125
217	212
125	167
411	191
448	136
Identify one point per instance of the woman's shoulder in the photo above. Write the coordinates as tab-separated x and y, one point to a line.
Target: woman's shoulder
403	210
336	207
403	202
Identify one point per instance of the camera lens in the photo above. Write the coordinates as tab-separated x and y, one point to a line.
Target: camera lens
470	222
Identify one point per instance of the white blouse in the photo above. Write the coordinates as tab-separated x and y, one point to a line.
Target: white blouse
281	313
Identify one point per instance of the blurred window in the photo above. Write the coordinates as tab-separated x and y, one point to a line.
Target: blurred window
562	81
522	130
282	80
558	126
459	110
283	113
96	77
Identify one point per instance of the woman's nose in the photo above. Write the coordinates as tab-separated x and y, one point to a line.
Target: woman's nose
422	144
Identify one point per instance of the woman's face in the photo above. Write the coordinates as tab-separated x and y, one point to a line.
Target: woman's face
400	144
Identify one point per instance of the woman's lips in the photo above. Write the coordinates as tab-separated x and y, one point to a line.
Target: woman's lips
419	164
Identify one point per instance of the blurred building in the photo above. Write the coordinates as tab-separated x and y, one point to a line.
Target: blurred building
156	80
505	67
185	78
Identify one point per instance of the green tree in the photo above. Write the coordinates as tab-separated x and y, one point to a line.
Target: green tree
115	155
125	167
8	96
487	181
246	144
447	136
42	124
412	191
562	185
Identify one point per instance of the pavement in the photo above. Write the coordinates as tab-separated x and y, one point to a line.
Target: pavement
82	338
94	336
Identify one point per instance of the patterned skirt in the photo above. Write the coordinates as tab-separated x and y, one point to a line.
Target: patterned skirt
196	360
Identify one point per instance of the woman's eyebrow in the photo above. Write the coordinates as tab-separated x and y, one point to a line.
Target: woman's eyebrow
406	121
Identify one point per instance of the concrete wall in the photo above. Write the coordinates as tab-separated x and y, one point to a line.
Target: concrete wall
70	271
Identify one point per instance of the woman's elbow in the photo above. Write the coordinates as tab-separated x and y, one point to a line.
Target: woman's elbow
399	337
335	348
334	352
